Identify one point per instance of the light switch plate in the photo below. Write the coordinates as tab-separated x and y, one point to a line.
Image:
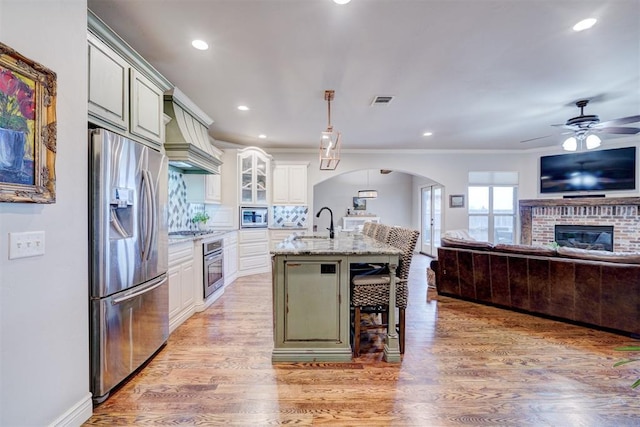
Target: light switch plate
26	244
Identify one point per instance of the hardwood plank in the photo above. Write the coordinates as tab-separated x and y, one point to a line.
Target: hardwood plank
465	364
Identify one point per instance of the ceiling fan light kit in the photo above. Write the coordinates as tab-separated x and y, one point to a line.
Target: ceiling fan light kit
584	127
592	141
570	144
330	140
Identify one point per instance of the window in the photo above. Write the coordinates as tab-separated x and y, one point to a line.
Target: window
492	206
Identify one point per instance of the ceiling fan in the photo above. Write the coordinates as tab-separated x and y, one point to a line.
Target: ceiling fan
585	127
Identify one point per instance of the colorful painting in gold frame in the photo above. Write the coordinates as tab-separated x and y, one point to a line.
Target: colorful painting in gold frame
27	129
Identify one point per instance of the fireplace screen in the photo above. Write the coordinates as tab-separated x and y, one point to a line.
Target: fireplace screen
596	237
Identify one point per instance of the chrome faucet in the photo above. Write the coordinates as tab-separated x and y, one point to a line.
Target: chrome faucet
331	234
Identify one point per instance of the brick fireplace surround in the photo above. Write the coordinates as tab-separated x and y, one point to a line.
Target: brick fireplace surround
539	217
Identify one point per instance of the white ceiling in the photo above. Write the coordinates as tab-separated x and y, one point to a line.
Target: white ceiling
478	74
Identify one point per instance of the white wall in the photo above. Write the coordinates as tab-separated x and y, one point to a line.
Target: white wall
394	190
447	168
44	348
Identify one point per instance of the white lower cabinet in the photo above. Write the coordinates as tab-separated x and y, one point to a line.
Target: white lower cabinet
230	249
182	283
253	252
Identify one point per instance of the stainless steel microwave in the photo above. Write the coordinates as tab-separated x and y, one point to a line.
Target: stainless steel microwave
254	217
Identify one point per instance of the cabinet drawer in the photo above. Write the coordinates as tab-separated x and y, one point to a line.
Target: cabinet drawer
257	249
254	236
252	263
179	252
230	239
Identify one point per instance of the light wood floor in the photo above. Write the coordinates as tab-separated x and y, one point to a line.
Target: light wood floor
465	365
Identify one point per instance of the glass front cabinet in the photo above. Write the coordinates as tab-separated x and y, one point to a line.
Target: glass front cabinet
254	167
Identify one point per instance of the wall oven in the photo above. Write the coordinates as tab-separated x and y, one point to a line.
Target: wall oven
213	267
254	217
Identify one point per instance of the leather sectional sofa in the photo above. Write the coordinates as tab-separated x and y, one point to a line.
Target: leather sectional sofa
595	288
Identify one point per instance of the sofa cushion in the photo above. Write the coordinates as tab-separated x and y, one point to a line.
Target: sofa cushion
458	234
524	249
453	242
620	257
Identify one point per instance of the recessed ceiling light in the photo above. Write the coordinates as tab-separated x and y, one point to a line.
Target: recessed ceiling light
427	134
262	136
341	1
585	24
200	44
243	108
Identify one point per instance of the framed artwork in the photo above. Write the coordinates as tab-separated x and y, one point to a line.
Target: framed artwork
359	204
27	129
456	201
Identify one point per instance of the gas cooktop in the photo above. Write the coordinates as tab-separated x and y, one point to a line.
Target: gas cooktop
193	232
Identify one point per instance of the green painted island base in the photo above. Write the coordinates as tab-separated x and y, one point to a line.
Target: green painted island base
311	297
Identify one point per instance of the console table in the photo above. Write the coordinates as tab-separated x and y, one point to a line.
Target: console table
350	223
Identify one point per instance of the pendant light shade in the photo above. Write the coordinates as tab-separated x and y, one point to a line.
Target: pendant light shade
330	140
368	194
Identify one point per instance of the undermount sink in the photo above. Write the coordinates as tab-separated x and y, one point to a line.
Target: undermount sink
310	237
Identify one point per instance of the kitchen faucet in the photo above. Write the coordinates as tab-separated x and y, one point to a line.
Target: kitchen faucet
331	234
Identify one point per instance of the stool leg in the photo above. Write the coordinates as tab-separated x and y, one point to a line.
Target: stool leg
402	329
356	332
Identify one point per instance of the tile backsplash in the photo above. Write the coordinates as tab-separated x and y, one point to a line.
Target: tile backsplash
180	211
289	216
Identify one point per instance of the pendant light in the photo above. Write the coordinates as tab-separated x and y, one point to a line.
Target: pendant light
368	194
330	141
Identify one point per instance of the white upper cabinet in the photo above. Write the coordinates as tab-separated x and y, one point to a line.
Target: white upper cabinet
125	92
203	188
254	169
108	84
146	104
290	183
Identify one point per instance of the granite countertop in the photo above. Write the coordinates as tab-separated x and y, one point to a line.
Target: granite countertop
288	228
343	244
196	235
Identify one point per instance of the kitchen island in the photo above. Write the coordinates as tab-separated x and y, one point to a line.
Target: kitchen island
311	295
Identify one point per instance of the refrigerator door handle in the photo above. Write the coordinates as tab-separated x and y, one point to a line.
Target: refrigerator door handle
148	215
154	214
138	293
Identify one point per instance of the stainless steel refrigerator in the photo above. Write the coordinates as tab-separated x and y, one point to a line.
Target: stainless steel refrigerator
129	307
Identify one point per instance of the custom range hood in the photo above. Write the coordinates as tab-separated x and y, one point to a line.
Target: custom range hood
187	141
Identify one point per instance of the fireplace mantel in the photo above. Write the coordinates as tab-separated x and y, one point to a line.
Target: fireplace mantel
591	201
588	210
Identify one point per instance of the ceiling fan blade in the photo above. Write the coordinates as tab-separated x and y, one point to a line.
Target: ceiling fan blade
620	130
534	139
562	125
615	122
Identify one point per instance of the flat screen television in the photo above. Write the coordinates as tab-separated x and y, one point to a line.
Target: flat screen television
603	170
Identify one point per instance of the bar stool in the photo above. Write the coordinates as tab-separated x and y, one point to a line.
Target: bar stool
370	293
383	232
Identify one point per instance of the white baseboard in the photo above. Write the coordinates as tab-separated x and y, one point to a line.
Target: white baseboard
77	414
178	320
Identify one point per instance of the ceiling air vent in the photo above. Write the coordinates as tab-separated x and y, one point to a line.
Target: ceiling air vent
382	100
